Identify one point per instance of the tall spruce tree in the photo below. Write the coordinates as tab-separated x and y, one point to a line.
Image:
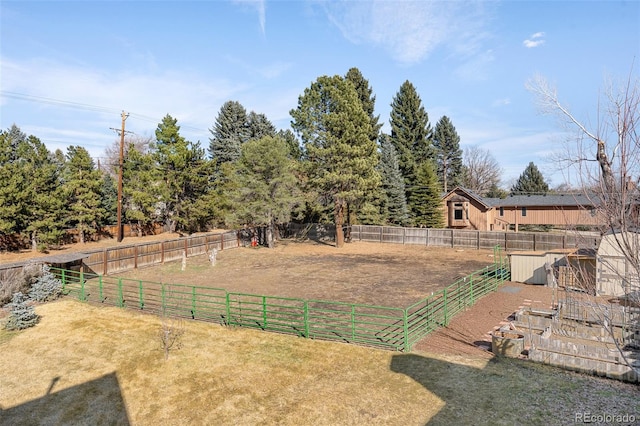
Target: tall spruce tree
530	181
259	126
446	143
410	135
186	177
83	188
336	134
426	196
395	205
229	132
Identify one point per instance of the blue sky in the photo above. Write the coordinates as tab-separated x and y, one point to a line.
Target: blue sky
68	69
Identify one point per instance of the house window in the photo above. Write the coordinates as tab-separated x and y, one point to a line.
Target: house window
501	211
458	212
524	211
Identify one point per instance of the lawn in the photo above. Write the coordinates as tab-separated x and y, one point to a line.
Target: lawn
84	364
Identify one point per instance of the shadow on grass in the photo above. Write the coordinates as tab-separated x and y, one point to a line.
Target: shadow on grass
97	401
504	391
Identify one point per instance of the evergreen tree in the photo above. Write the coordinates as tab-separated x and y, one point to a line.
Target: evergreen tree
109	200
530	181
22	314
446	143
368	211
229	132
30	198
336	133
83	187
185	173
295	151
46	287
142	189
259	126
410	135
367	99
426	197
392	183
267	186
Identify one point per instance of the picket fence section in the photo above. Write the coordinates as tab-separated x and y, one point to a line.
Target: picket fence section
369	325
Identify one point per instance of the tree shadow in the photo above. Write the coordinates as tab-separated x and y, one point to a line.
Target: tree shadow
97	401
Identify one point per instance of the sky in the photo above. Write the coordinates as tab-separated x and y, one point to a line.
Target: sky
69	69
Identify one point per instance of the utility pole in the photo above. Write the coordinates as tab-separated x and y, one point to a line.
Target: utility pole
121	164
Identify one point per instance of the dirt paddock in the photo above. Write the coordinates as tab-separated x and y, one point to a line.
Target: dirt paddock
367	273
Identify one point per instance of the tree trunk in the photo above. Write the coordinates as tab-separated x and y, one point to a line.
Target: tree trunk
339	219
34	241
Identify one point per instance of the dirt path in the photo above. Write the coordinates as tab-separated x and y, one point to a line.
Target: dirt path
468	333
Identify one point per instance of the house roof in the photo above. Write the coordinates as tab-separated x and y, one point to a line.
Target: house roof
541	200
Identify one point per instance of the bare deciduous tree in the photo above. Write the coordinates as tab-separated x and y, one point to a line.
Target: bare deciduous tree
482	171
112	152
605	159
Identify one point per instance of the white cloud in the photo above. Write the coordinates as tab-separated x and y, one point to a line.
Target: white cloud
410	30
260	7
501	102
534	40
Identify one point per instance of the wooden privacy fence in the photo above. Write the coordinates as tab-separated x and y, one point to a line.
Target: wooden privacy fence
370	325
120	259
463	238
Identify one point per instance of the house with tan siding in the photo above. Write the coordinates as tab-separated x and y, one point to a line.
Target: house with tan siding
463	209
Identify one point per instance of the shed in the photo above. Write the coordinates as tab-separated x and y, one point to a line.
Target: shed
615	275
529	266
70	261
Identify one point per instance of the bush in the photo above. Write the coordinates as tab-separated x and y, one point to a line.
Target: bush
18	282
46	288
22	314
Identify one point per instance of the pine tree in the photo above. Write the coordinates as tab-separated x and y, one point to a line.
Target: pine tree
410	135
267	186
185	173
395	203
229	132
446	143
367	99
530	181
295	151
46	287
336	133
109	200
426	197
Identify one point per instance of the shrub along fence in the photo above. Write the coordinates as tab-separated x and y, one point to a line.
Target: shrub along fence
369	325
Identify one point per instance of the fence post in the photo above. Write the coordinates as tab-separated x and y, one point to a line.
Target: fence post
83	296
305	314
405	326
444	293
163	297
227	301
141	300
186	248
471	289
64	280
264	312
193	302
105	262
162	252
100	289
120	295
353	322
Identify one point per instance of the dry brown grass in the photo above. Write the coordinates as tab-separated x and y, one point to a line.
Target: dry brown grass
98	365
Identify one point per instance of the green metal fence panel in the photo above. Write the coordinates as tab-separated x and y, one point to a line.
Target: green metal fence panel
370	325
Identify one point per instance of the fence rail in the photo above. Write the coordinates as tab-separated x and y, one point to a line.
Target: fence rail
369	325
463	238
